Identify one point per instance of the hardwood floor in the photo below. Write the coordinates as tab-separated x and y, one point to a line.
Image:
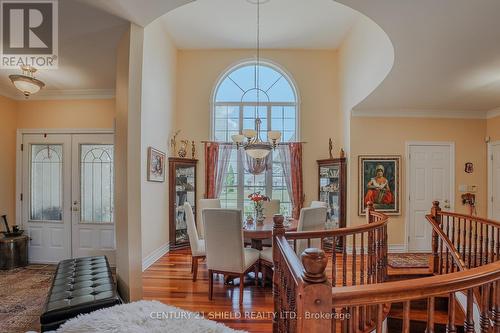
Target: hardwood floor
169	281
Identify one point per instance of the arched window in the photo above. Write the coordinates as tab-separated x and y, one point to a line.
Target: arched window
236	104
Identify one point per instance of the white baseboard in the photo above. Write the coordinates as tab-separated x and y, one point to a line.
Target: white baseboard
397	248
154	256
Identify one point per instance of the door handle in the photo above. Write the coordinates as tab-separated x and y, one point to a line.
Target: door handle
75	207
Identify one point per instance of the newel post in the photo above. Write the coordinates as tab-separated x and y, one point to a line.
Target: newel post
278	230
435	210
314	307
369	210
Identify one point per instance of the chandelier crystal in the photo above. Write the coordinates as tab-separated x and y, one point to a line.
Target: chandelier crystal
254	146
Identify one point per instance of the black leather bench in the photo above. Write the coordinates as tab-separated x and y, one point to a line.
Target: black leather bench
80	285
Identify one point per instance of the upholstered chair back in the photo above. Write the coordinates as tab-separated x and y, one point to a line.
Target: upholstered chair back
203	204
311	219
194	240
316	204
271	207
224	239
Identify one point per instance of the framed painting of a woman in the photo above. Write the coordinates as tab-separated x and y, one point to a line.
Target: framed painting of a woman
379	183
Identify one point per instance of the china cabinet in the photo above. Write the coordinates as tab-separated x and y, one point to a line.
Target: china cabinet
182	188
332	191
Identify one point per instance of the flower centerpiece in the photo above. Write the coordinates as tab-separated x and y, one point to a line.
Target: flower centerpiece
258	200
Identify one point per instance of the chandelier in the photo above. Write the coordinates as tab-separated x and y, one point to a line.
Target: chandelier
26	82
254	146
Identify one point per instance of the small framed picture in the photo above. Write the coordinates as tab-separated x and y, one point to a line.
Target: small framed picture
156	165
379	183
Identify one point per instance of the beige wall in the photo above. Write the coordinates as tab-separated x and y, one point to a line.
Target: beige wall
8	121
316	76
66	113
33	114
158	103
493	128
389	135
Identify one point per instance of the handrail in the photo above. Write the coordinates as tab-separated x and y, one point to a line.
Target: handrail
493	223
335	232
416	288
301	286
446	241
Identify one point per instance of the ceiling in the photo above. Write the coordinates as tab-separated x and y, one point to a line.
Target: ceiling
447	55
292	24
88	38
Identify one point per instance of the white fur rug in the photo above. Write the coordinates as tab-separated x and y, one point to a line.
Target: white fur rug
143	317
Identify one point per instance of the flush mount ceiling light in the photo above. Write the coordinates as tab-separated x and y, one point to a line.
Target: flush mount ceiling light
26	82
254	146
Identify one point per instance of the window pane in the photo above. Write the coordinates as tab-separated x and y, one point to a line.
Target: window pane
46	182
238	184
228	92
96	167
244	77
281	92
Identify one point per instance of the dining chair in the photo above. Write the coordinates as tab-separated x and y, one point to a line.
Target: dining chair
206	203
266	263
224	247
271	207
197	244
311	218
316	204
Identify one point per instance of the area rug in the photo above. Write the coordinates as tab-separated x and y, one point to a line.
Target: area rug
408	260
22	295
143	317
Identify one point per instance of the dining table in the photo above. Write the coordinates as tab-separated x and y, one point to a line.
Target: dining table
259	231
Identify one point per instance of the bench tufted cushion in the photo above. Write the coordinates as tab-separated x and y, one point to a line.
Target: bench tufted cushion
80	285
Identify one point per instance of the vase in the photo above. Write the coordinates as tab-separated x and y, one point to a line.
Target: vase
259	213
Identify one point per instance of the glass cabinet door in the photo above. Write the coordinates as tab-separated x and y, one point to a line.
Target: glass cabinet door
185	192
329	192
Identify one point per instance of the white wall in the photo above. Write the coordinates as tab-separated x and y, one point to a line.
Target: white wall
128	165
366	57
158	103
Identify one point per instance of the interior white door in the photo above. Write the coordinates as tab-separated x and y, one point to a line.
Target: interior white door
430	178
92	200
495	181
46	183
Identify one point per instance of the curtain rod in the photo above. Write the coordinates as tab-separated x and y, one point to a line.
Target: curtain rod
230	143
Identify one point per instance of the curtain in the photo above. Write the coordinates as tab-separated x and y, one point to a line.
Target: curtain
211	157
216	163
291	162
221	168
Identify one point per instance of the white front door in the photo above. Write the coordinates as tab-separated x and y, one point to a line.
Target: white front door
430	178
93	226
495	181
46	196
68	189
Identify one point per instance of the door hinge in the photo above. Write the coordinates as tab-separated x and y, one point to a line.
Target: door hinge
408	239
21	197
22	147
491	198
491	157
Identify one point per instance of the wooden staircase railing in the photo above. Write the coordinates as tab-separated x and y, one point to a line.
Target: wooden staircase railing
354	297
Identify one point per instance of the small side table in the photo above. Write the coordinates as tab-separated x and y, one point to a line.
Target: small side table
13	252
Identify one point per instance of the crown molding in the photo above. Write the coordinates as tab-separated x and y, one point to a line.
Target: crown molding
49	94
493	113
422	113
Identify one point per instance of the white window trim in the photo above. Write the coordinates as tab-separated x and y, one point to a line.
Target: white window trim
268	105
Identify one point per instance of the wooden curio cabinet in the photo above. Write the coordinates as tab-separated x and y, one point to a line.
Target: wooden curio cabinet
332	190
182	188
